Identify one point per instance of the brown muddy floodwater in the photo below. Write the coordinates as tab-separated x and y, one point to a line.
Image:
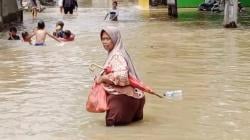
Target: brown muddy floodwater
43	89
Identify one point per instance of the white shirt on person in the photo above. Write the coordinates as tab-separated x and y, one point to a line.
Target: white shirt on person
113	14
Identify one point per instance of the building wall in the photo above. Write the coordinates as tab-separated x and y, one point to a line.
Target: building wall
144	4
101	3
1	19
189	3
245	3
8	7
9	12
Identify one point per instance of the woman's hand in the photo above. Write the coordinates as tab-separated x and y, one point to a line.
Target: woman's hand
98	79
106	79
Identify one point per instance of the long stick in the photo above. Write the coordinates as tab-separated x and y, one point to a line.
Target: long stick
156	94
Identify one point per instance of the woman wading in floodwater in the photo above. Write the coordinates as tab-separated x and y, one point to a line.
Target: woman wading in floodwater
125	103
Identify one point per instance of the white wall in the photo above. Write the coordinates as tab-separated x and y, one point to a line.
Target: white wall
101	3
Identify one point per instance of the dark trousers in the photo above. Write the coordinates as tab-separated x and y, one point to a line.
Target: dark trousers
68	9
123	110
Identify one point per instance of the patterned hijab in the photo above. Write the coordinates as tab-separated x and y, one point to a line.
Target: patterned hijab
115	36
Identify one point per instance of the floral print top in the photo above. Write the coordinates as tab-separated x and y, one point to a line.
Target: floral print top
119	77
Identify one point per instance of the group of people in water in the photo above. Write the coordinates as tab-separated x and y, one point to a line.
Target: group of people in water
40	34
125	103
59	34
66	6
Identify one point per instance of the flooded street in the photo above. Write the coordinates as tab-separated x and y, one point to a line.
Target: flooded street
43	90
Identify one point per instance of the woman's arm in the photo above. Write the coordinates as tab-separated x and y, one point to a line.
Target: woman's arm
119	76
120	71
104	79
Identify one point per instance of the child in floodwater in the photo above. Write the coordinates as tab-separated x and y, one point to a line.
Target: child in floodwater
25	36
67	36
59	30
13	34
41	34
113	13
60	4
34	8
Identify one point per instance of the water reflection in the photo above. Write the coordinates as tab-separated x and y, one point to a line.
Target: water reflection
43	90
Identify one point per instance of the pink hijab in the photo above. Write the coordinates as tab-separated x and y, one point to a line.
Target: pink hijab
115	36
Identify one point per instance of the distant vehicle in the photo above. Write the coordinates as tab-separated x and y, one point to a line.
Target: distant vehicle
211	4
216	6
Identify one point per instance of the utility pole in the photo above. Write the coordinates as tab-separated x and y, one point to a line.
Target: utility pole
231	13
1	14
1	9
172	8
